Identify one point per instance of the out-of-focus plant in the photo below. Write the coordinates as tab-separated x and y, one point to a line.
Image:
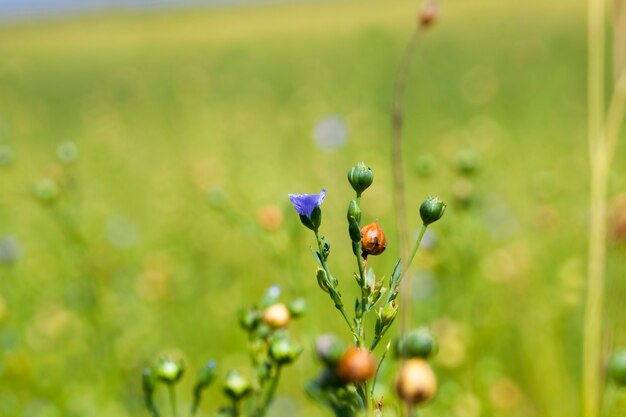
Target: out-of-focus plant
426	18
269	347
603	136
346	385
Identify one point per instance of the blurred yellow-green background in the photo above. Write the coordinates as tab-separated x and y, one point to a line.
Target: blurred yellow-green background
172	136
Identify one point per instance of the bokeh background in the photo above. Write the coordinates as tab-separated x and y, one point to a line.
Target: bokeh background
146	155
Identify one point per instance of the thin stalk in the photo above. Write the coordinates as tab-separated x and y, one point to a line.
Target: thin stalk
603	136
361	268
342	310
172	395
270	393
154	412
416	246
361	322
380	362
237	407
397	164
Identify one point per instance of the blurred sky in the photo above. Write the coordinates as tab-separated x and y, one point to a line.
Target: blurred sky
19	9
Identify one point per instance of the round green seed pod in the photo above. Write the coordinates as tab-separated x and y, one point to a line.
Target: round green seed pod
431	210
360	177
617	367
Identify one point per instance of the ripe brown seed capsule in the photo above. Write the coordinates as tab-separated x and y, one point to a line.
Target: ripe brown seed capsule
373	240
428	14
276	316
416	382
356	365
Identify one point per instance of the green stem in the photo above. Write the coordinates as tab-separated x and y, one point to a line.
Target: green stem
154	412
382	358
172	396
361	267
375	342
367	400
363	297
416	246
341	309
237	407
397	164
270	393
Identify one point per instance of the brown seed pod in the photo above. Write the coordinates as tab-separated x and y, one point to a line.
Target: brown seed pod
356	365
428	14
373	240
416	382
276	316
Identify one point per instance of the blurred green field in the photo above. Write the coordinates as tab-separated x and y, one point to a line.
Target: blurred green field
175	112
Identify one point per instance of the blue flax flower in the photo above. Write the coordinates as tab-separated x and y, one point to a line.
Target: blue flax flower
307	206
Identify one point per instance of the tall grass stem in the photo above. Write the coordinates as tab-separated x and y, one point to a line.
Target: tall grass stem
397	164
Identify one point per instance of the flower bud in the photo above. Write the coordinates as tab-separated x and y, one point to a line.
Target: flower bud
416	382
283	351
297	307
617	367
148	382
169	370
388	313
356	365
249	319
431	210
236	386
46	190
354	219
373	240
276	316
428	14
354	211
206	375
418	343
329	349
360	177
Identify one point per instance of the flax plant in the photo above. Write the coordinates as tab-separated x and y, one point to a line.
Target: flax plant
346	385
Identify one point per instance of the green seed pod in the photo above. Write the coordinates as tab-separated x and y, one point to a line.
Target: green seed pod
283	351
329	349
206	374
418	343
46	190
249	319
354	211
297	307
169	370
236	386
617	367
360	177
149	380
431	210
